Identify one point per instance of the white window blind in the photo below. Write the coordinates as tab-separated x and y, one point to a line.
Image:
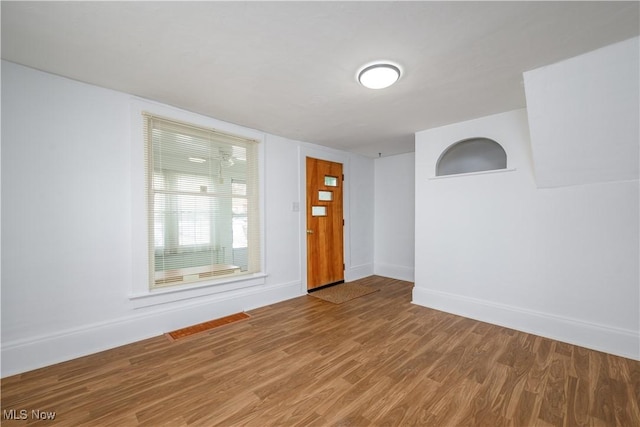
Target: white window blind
202	201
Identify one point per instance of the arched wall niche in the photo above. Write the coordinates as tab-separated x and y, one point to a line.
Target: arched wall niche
471	155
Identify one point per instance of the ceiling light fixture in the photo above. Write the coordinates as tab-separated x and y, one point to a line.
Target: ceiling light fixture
197	160
379	75
226	159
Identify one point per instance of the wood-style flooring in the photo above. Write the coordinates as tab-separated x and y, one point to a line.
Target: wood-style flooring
376	360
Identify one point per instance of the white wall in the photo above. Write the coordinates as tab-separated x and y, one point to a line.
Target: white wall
561	263
361	217
72	260
583	114
395	216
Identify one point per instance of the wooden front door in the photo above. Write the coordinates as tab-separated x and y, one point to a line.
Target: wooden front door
325	258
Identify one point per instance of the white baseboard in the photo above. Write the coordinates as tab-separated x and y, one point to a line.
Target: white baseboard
617	341
358	272
398	272
36	352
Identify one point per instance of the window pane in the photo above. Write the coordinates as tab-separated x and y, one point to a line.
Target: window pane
239	232
325	196
158	181
159	207
191	183
239	206
331	181
318	211
194	220
239	153
238	188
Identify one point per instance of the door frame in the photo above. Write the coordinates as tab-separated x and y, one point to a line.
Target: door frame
332	156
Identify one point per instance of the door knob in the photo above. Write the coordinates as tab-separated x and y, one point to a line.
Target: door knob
309	231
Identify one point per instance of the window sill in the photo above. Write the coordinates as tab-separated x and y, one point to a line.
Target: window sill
205	288
458	175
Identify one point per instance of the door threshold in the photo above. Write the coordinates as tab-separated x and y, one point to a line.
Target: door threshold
325	286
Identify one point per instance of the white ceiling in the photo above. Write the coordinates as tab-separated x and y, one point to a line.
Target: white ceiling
288	68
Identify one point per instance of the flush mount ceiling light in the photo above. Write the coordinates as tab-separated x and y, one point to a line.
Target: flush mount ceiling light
379	75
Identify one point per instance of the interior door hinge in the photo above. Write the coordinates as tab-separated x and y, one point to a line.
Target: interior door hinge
343	267
342	177
343	222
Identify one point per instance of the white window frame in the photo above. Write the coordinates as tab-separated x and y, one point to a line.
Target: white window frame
141	295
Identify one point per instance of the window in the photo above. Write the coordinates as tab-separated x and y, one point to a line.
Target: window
202	190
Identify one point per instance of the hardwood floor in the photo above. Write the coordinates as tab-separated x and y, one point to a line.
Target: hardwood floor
375	360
